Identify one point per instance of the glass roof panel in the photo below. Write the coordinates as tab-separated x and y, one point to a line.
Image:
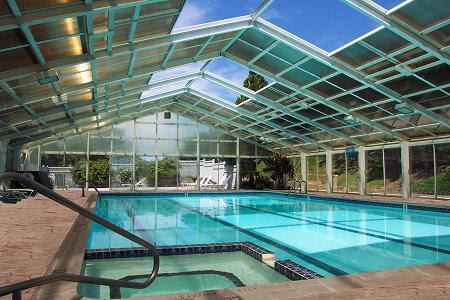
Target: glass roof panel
328	24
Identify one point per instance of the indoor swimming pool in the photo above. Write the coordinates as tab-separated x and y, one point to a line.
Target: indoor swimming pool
327	235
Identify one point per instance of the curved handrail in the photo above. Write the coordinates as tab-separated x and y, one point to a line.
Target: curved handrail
300	182
58	276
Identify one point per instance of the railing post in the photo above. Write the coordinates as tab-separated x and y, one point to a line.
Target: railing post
17	295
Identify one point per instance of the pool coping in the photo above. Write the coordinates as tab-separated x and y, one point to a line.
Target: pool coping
394	202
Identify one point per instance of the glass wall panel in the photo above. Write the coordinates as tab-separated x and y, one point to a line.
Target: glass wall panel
121	171
122	146
227	173
375	178
443	170
54	146
145	147
166	147
187	132
208	148
34	160
322	172
55	164
263	152
296	162
77	143
227	148
339	172
146	130
187	173
421	170
99	166
145	171
352	173
167	173
248	172
124	129
311	172
393	171
76	165
246	149
100	145
187	147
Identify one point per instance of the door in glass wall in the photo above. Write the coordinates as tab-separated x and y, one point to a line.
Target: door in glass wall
375	177
421	170
227	173
248	173
393	171
443	170
187	173
76	166
145	172
339	172
322	172
311	172
121	172
167	173
352	172
55	164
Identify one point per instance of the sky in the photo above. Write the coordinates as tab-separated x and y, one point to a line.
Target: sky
328	24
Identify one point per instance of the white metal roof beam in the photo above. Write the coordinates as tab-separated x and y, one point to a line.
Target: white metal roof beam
321	99
336	64
379	14
261	8
250	94
248	114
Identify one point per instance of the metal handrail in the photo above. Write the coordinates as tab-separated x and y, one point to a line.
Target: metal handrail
292	189
58	276
92	185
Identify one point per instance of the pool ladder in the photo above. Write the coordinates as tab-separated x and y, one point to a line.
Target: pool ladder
16	289
299	184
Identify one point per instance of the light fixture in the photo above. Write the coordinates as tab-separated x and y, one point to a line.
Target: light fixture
404	108
351	120
60	99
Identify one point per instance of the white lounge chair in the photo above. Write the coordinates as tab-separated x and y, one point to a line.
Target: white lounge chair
139	184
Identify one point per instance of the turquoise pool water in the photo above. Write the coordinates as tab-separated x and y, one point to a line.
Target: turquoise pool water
329	237
181	273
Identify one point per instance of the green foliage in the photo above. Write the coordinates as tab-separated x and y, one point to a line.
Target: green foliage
98	171
426	186
125	175
253	82
167	167
280	169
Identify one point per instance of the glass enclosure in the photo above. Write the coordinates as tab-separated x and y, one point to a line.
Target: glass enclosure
163	151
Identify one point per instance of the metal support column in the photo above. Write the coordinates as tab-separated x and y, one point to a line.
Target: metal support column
329	171
303	166
362	165
406	186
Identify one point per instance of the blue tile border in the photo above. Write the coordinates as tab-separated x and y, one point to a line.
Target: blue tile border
295	271
248	248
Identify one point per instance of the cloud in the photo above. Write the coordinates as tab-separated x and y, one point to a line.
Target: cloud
192	14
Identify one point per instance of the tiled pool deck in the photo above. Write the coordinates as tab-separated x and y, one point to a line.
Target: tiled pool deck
32	232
